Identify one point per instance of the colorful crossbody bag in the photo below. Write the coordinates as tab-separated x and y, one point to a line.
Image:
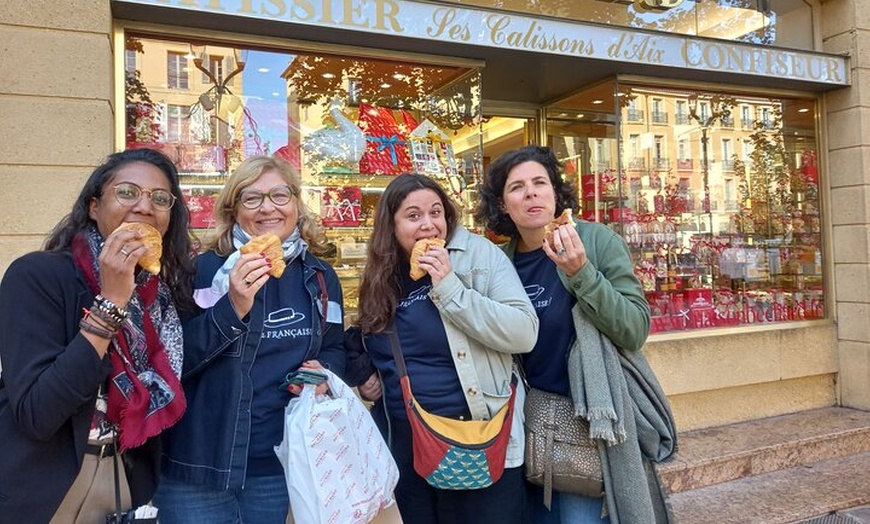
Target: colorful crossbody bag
450	453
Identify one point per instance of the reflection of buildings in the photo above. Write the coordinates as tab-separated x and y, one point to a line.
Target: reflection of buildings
661	144
663	140
199	107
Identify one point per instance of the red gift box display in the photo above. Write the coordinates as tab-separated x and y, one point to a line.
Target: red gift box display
201	209
340	206
386	146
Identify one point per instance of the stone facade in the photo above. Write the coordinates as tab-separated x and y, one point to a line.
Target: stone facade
57	107
845	28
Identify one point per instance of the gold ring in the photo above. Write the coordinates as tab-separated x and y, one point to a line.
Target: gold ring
248	282
124	252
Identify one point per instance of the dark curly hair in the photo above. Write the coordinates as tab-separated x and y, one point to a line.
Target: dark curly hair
490	210
381	283
177	267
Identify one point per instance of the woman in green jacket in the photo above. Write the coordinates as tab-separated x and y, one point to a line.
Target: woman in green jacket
583	269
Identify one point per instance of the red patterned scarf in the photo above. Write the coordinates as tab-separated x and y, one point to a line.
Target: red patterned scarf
145	394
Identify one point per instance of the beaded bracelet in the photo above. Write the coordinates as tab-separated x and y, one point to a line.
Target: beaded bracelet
117	314
101	319
94	330
110	321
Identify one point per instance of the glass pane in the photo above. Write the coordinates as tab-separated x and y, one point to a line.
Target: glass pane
349	125
716	195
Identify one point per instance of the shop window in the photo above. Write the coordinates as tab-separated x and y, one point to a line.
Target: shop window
731	239
348	125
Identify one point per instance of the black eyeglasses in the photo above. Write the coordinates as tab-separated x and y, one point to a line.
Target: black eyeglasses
129	194
279	195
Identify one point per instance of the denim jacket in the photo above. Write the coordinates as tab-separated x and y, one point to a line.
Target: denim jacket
210	444
488	317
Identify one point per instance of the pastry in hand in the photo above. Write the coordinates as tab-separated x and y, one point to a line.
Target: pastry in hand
420	248
270	246
553	225
148	235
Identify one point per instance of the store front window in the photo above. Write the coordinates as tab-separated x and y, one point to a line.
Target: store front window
719	237
782	23
348	124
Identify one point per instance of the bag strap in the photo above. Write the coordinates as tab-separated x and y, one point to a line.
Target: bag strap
118	512
551	426
324	299
397	352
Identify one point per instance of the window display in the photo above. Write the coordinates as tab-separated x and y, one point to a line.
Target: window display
347	124
720	236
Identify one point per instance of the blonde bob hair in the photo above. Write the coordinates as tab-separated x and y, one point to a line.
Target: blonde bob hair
245	175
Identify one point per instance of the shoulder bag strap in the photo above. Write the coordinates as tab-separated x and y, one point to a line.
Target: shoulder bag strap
397	352
118	512
324	300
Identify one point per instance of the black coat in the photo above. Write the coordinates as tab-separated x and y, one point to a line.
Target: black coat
50	378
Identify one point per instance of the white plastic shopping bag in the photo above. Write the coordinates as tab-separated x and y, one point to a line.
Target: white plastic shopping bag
338	467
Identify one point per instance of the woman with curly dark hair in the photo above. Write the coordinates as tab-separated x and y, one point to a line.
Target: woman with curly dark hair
91	348
580	278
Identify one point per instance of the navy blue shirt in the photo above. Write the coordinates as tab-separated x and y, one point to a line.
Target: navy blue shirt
546	366
283	344
433	376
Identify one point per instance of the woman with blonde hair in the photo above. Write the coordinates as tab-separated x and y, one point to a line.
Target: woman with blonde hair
250	330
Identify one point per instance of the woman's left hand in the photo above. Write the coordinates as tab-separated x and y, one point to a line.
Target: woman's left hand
313	365
566	249
436	262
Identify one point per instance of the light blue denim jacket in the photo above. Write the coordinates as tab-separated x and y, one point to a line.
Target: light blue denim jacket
488	317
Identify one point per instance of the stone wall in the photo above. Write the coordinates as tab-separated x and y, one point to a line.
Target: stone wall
56	112
846	29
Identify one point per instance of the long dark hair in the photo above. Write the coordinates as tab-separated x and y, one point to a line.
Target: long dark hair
381	281
490	210
177	261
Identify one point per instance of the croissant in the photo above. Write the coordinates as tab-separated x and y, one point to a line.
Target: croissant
270	246
420	247
148	235
550	228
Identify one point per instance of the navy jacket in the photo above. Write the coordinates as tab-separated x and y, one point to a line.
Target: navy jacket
48	390
209	446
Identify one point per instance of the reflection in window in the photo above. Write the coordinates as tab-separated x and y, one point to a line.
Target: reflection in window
734	241
176	70
348	125
129	60
176	123
783	23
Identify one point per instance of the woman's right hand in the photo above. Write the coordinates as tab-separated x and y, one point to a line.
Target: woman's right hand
249	274
117	261
371	389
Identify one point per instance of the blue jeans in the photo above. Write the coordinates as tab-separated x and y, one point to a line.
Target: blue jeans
565	509
263	500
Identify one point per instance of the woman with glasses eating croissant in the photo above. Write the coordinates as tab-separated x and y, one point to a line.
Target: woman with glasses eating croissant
91	348
267	307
